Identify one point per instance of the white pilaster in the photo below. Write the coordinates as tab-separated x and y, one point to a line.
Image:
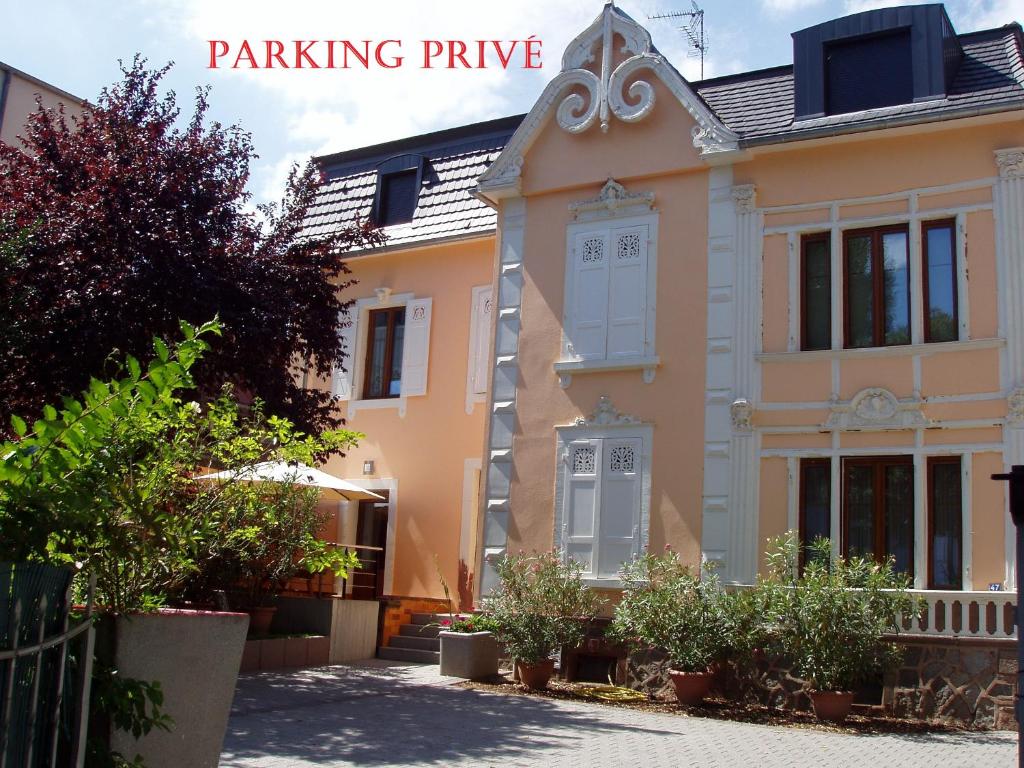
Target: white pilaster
1009	216
502	404
729	504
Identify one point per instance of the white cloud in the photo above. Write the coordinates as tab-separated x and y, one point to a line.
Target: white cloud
789	6
966	15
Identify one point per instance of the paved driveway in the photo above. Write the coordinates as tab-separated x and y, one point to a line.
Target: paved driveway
383	714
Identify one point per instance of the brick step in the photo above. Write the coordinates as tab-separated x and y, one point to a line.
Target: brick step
409	654
411	641
418	630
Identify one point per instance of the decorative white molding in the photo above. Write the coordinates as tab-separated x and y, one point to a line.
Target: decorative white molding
383	294
741	413
1010	162
1015	407
877	408
614	200
744	196
604	96
567	368
605	414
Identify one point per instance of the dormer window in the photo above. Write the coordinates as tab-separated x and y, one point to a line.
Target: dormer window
397	198
874	59
398	187
868	72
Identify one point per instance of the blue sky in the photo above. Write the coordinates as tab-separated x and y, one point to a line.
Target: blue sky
293	114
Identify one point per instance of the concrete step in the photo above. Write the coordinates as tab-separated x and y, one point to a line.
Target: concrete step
428	618
418	630
411	641
409	654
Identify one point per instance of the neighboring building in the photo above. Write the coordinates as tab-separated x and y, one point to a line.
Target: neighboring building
784	299
18	94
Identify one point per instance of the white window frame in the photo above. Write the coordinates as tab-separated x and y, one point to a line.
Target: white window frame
362	308
565	437
569	364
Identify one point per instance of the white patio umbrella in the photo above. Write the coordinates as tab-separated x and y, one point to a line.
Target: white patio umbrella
297	473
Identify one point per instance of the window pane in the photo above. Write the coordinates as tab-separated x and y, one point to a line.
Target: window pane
396	354
860	510
377	354
860	292
397	198
899	515
817	295
895	288
941	317
947	520
816	486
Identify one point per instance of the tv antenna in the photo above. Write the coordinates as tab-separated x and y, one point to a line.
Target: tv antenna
692	29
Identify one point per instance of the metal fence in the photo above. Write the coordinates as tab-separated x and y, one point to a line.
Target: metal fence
45	667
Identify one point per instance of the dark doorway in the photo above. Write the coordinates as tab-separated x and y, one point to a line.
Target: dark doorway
371	531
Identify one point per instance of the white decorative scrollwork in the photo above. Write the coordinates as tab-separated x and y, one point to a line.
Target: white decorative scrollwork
1010	162
621	458
583	460
605	414
628	246
742	414
614	199
743	196
577	113
593	250
877	408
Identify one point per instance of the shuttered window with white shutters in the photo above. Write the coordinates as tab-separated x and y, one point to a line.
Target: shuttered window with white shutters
602	495
606	298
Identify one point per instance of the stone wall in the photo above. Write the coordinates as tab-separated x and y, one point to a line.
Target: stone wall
967	681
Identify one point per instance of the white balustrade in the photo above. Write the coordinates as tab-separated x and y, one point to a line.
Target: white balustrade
964	614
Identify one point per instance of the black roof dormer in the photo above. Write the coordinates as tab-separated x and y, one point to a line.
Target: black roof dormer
874	59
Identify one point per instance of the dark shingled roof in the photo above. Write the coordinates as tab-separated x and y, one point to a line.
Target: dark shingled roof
445	208
758	106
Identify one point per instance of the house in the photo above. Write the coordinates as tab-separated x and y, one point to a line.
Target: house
18	93
721	310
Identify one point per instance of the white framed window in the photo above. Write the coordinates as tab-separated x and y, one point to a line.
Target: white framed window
479	358
603	498
370	335
610	288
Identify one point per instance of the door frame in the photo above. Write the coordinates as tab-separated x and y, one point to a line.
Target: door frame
389	484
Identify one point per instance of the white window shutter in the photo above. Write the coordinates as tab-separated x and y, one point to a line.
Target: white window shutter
589	304
341	381
619	524
416	347
627	293
481	332
582	502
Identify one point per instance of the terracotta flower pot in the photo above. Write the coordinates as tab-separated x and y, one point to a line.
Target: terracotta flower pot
260	620
691	687
536	675
831	706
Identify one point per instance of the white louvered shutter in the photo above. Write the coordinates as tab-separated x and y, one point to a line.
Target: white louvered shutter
482	339
416	347
627	293
582	501
341	381
589	307
619	523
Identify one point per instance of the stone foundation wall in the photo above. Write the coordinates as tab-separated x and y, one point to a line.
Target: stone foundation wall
970	682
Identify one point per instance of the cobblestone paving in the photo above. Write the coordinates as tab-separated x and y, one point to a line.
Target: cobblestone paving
382	714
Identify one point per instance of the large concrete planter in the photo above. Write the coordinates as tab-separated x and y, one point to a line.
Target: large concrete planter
195	656
471	655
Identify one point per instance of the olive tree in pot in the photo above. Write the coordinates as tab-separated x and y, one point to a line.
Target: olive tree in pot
830	621
540	606
666	606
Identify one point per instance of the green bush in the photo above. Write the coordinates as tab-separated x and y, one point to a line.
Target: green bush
540	605
666	606
830	621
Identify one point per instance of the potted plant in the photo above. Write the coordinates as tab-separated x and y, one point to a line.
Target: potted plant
539	606
107	482
831	619
666	606
468	646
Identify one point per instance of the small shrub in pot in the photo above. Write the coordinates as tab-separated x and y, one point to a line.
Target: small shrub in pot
540	605
665	605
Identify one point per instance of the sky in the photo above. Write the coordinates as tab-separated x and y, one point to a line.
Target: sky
293	114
